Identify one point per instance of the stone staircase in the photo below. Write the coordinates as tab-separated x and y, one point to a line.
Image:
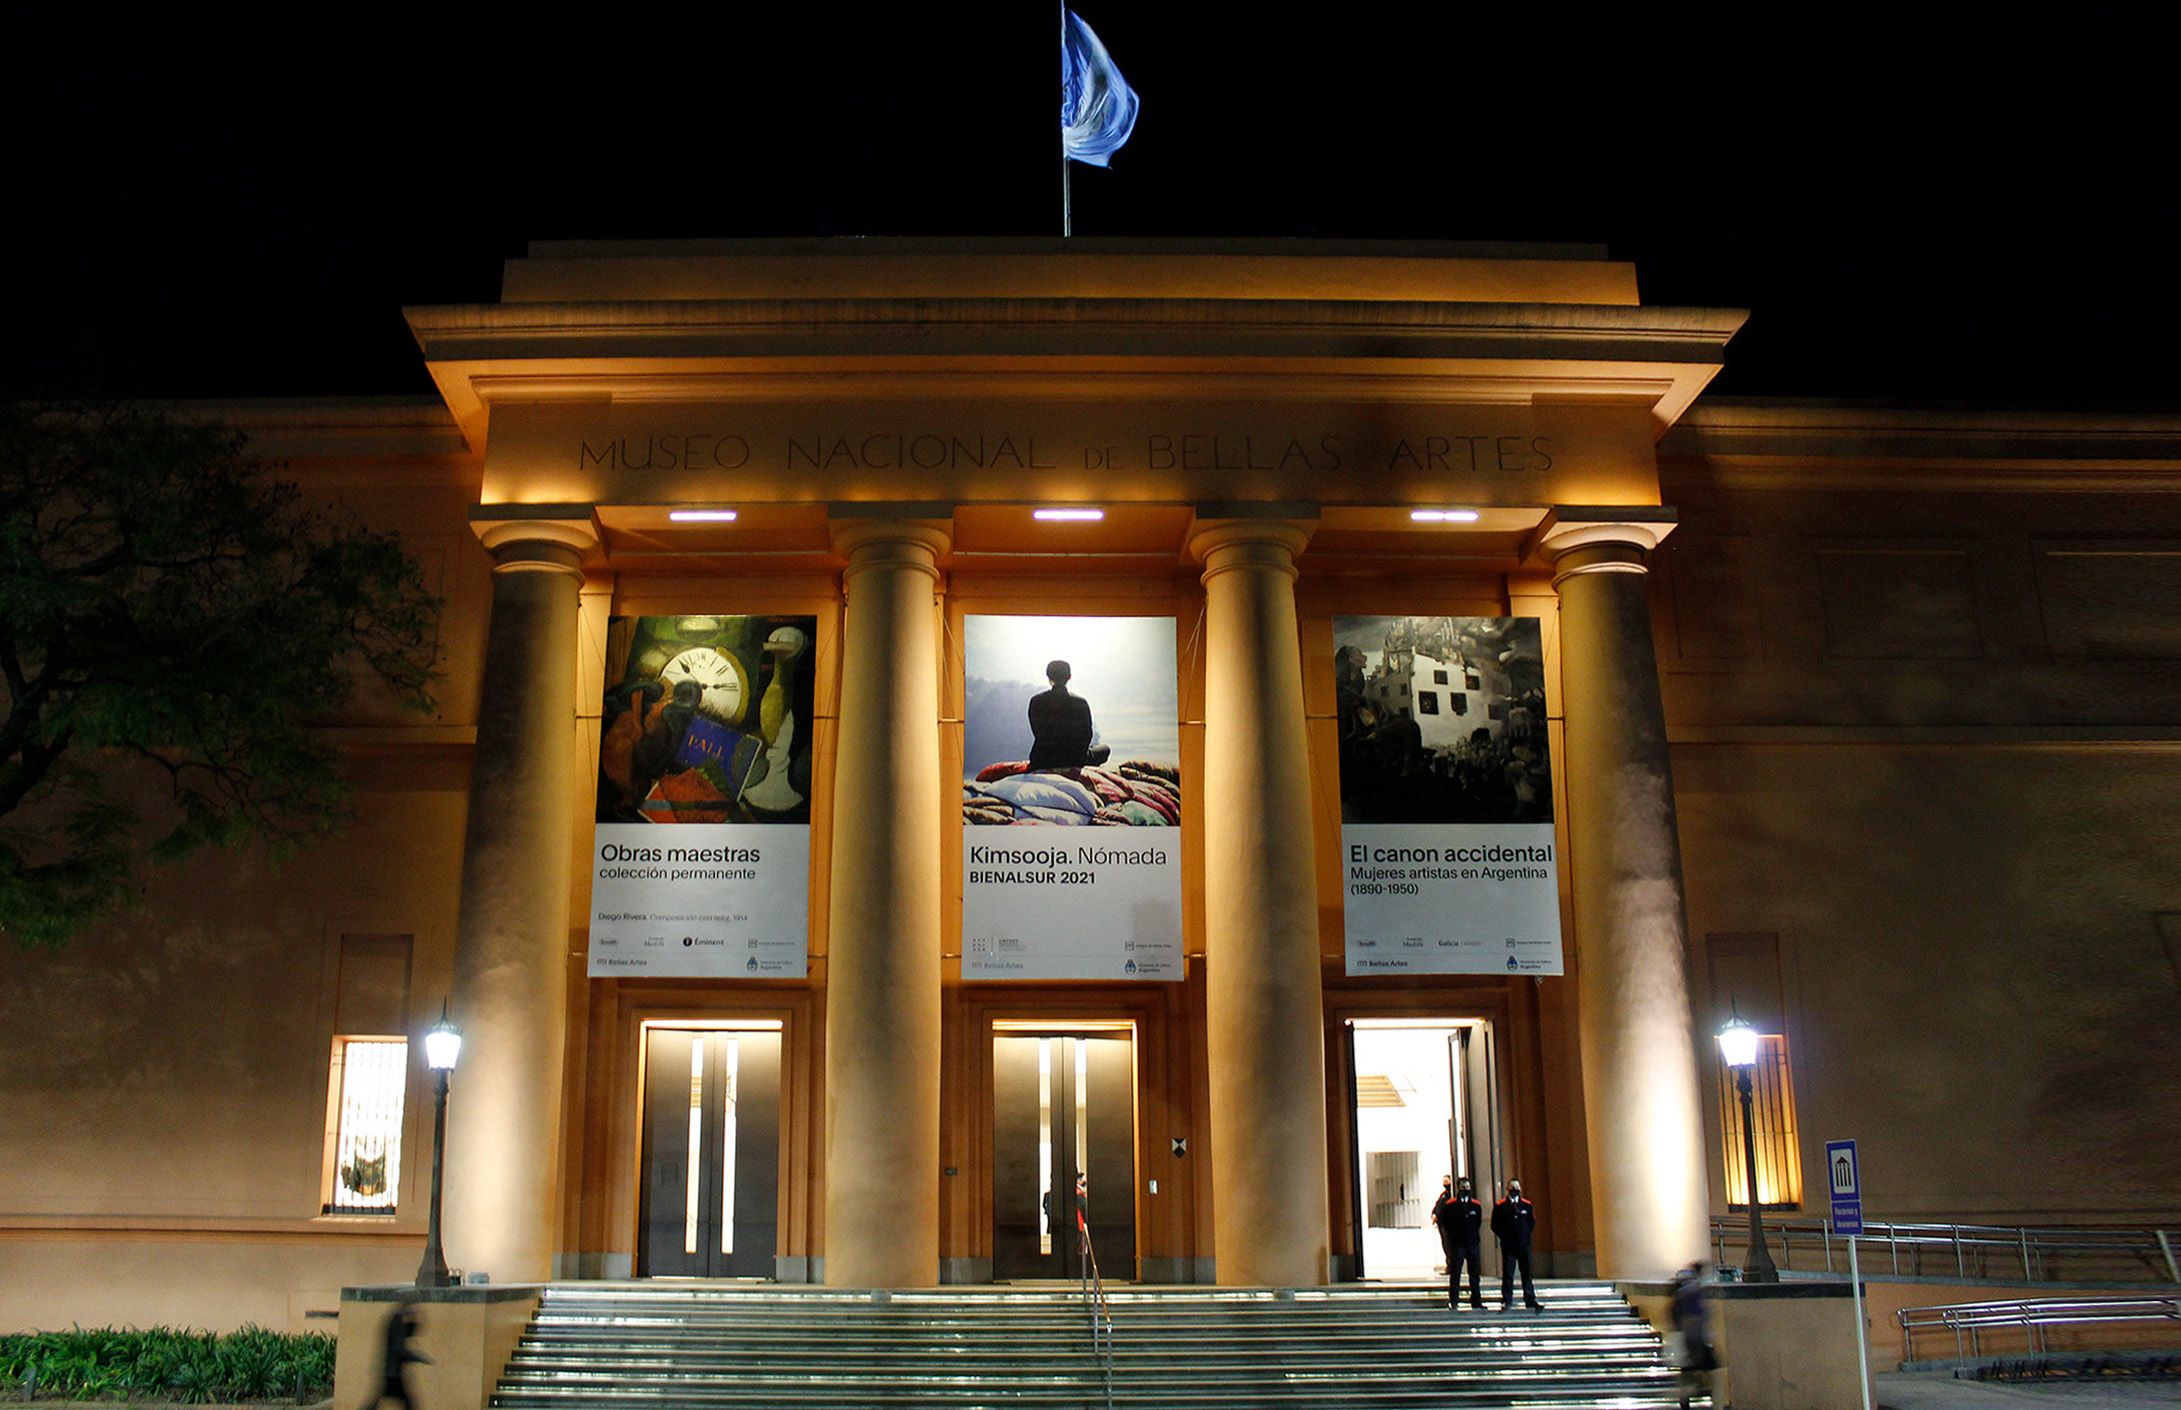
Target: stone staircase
658	1344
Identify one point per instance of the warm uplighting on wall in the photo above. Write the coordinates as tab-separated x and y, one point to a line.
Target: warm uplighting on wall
702	516
1443	516
1069	515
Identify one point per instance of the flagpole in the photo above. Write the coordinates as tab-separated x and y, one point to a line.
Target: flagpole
1067	201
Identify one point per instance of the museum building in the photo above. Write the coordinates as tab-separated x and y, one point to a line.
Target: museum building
1857	724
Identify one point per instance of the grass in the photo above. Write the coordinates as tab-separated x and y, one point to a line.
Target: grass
252	1365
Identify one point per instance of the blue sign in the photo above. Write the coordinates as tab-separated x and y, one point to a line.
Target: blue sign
1847	1185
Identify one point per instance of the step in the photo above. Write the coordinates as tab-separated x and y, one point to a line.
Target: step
725	1347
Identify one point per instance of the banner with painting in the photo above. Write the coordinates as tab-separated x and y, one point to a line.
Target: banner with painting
701	851
1071	799
1448	863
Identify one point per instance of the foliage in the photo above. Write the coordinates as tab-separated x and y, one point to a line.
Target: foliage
252	1364
164	599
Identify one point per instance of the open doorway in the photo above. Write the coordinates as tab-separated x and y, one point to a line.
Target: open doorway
1063	1141
1426	1107
709	1201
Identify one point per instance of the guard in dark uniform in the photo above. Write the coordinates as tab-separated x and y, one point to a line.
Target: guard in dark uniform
1461	1233
1513	1220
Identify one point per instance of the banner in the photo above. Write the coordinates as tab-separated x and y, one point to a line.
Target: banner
1071	799
1448	860
700	861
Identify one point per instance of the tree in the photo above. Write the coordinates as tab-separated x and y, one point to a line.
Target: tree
164	599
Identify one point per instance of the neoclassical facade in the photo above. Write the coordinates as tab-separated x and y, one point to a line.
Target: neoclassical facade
1858	723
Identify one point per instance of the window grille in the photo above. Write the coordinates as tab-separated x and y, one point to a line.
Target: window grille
370	1076
1772	1098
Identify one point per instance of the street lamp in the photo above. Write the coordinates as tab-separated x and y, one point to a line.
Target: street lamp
1738	1047
442	1046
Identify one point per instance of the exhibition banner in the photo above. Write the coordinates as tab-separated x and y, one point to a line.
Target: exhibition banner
700	858
1448	861
1071	799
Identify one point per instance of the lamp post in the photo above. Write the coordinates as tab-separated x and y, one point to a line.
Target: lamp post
442	1046
1738	1047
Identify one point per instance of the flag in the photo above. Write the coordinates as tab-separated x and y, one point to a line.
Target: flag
1097	107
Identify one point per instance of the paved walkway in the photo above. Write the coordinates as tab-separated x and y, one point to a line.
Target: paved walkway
1939	1390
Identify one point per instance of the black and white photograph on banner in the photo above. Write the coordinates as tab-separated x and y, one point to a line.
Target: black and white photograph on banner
1442	719
1448	857
1070	736
701	860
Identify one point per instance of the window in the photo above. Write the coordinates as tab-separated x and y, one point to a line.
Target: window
1772	1100
1427	702
363	1135
1438	678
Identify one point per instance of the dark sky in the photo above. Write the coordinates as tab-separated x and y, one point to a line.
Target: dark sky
209	213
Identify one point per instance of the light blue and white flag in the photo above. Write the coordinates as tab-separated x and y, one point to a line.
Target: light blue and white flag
1097	107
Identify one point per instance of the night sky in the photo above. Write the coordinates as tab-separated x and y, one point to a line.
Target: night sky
1977	218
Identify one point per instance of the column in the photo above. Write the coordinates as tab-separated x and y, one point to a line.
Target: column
511	938
1264	1014
882	968
1640	1088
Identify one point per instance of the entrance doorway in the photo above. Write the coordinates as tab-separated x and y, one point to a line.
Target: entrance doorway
1426	1106
1064	1110
709	1204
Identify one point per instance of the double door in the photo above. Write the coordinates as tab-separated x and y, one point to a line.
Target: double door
1064	1145
710	1201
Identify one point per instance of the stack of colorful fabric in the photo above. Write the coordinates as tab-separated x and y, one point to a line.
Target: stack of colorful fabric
1138	793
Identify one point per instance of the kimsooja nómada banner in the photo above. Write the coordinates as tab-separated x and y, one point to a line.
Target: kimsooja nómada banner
1447	852
1071	799
700	863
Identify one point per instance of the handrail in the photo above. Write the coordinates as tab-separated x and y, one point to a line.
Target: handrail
1968	1320
1094	1295
2039	1253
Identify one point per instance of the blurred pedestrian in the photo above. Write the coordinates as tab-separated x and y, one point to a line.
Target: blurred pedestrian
1692	1329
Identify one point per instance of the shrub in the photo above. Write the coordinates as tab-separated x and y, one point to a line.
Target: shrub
106	1363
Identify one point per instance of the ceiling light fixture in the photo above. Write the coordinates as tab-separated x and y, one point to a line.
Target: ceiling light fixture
702	516
1076	515
1443	516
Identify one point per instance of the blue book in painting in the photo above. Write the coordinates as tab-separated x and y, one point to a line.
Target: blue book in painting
709	743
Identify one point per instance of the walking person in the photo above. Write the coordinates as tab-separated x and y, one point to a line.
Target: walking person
1461	1233
1513	1220
1692	1328
397	1356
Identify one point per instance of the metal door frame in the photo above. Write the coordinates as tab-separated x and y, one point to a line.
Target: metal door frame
702	1026
1482	1099
1076	1027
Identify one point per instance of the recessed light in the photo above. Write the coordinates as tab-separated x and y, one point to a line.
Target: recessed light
1443	516
702	516
1081	515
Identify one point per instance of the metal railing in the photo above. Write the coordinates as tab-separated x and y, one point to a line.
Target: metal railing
1967	1250
1969	1321
1094	1296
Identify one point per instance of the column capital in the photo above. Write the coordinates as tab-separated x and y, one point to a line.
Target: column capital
537	538
913	544
1609	539
1223	545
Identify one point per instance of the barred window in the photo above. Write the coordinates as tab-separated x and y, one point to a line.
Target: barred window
1772	1098
363	1161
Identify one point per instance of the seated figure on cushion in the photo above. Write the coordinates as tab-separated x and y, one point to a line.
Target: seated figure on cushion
1060	725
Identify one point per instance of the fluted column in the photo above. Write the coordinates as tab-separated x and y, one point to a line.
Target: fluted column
1264	1014
882	969
511	938
1640	1088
